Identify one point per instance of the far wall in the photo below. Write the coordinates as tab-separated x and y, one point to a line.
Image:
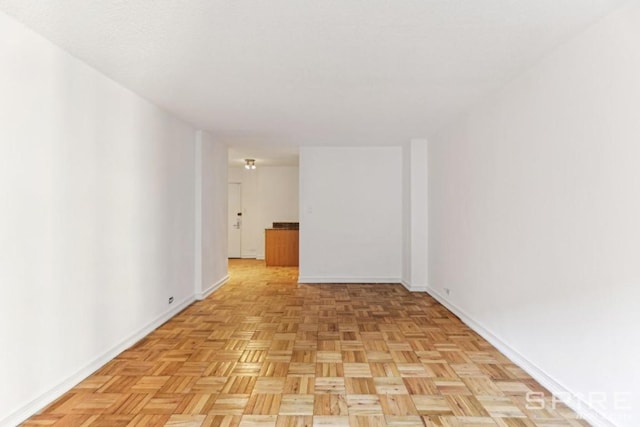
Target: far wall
351	214
269	194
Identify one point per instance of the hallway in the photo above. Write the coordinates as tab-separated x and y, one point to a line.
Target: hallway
265	351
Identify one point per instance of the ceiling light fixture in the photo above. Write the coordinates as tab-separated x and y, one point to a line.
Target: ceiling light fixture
249	164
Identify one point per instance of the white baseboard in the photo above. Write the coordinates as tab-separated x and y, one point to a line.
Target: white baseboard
324	279
580	407
202	295
27	410
415	288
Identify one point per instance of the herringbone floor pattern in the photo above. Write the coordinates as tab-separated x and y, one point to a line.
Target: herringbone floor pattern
264	351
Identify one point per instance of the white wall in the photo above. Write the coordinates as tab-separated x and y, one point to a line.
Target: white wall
211	266
269	194
406	213
534	207
415	257
96	219
350	214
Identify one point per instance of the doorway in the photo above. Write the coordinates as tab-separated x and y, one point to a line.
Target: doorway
234	234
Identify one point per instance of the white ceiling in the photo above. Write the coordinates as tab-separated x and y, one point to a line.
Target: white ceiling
274	75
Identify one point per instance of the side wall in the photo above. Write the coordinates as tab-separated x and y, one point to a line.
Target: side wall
351	214
534	207
96	219
415	218
211	267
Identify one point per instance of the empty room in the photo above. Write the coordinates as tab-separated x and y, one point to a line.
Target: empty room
320	213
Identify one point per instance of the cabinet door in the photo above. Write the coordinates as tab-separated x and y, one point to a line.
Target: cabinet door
281	247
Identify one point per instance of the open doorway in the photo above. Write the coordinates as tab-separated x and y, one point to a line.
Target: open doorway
234	233
260	199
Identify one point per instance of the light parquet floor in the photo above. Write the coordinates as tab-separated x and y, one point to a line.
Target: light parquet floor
265	351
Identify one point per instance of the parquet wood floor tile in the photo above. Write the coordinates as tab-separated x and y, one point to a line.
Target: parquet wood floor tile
265	351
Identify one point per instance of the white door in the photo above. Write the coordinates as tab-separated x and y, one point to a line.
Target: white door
235	220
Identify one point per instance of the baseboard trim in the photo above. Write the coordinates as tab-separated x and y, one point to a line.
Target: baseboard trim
202	295
324	279
579	406
29	409
414	288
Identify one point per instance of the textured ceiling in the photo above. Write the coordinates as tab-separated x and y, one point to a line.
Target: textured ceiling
284	73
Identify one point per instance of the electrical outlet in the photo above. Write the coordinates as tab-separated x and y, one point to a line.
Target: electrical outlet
170	300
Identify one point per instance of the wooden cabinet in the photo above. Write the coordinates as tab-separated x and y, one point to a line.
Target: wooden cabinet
281	247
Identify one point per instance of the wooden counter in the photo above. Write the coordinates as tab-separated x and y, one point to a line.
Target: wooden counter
281	247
